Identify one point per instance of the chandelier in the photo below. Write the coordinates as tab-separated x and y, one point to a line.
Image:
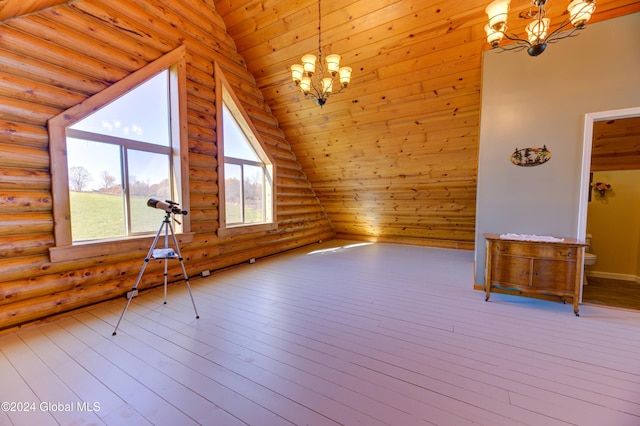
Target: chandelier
538	35
320	85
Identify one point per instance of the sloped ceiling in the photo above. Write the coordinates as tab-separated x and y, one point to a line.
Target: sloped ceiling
395	155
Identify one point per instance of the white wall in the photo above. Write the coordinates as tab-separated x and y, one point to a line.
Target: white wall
533	101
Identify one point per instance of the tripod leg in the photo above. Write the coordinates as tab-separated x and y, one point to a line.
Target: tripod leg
167	227
135	287
184	270
165	280
186	279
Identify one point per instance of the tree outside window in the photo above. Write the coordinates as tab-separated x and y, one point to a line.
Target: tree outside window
119	157
245	168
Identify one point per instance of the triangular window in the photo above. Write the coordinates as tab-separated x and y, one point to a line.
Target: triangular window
246	173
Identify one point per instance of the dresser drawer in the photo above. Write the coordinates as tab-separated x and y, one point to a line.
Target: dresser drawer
534	250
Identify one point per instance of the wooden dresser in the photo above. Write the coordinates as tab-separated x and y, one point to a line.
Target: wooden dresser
532	267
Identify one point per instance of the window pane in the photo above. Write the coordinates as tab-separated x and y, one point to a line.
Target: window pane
149	177
236	144
95	190
253	194
141	115
233	193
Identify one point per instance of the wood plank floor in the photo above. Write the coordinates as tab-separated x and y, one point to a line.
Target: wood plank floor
337	333
612	292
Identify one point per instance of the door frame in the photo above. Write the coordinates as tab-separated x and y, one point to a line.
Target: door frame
587	143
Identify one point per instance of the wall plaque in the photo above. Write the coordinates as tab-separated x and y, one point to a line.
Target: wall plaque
528	157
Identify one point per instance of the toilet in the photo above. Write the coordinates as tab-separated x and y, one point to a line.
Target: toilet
589	258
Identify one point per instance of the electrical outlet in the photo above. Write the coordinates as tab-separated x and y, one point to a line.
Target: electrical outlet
252	260
205	273
131	294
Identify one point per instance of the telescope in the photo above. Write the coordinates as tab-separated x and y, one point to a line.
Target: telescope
168	206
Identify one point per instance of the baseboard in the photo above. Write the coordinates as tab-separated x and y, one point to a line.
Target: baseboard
614	276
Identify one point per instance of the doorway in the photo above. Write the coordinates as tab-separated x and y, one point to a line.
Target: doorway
606	288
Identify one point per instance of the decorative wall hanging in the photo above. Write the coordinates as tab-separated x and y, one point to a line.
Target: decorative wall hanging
601	188
528	157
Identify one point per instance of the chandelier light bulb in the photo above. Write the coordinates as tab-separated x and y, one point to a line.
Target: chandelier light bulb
537	30
497	13
327	85
309	64
305	85
345	76
333	64
493	37
297	72
580	12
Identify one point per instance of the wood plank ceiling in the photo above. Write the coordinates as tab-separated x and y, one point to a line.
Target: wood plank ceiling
395	156
616	144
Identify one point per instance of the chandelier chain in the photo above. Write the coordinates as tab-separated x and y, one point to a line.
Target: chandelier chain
319	34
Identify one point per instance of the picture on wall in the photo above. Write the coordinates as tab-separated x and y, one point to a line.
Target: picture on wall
528	157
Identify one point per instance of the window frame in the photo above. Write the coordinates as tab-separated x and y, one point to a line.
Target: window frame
64	248
225	95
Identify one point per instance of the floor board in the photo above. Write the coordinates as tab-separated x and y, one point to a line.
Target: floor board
612	292
338	333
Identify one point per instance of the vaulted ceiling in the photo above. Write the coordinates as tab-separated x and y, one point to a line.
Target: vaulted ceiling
394	155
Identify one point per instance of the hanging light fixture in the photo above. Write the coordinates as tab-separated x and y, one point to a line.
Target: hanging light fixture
320	85
538	34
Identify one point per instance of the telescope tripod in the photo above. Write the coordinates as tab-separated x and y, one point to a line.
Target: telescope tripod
166	254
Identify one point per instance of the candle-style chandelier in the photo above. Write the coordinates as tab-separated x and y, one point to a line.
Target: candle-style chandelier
320	85
538	35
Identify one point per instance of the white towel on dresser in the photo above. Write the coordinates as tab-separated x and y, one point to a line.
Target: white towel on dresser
527	237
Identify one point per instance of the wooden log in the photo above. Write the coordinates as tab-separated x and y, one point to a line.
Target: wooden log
124	273
23	156
450	244
202	134
25	223
20	134
25	179
84	43
48	73
118	19
25	202
32	46
26	112
37	93
202	161
200	174
399	232
25	245
99	30
33	309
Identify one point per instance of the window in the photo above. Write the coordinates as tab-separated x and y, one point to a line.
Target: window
245	170
112	153
117	158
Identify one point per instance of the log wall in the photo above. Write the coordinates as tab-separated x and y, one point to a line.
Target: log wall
52	60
